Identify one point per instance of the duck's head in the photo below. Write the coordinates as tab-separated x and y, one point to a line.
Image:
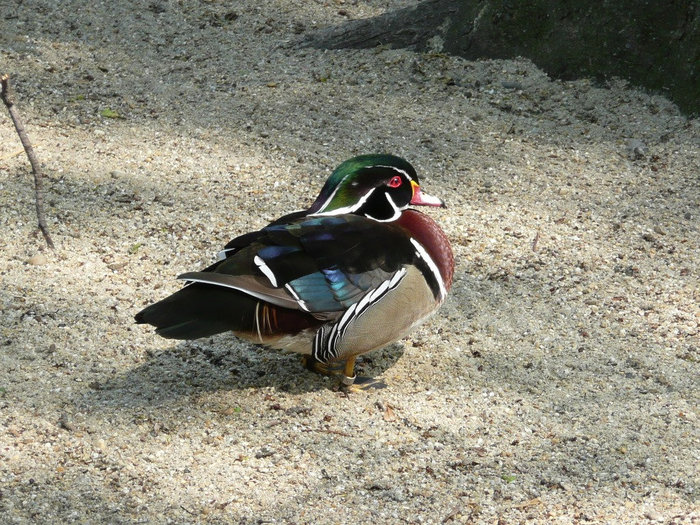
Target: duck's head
377	186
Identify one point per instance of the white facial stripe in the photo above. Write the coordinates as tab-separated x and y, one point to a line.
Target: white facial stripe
264	268
328	201
332	195
433	267
344	209
397	211
395	169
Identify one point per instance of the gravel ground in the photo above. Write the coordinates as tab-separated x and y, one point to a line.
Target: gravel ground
558	383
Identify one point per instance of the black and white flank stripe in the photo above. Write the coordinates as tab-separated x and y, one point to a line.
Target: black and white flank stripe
327	338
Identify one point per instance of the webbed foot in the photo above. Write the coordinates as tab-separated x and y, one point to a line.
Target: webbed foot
345	372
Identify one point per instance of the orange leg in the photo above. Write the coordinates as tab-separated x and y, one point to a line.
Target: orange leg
345	370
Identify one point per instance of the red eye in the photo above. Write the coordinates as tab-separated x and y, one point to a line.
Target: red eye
395	182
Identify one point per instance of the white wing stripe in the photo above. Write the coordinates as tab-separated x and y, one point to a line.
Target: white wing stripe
299	300
220	256
264	268
243	289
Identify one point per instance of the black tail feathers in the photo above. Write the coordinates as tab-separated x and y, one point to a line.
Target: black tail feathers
198	310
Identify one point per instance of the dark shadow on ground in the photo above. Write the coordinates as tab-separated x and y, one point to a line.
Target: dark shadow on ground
220	363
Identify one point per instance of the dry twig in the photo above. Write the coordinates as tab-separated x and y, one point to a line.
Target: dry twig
29	150
535	241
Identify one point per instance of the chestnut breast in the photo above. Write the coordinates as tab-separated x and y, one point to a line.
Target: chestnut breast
426	231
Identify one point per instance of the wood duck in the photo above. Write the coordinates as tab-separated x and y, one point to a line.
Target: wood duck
353	273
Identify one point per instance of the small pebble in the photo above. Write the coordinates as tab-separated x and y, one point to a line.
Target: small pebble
264	453
65	423
37	259
511	85
115	267
636	149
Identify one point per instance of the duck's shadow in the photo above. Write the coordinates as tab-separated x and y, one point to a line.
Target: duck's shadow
222	363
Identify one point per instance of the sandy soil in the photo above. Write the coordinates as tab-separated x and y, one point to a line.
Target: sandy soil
558	384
